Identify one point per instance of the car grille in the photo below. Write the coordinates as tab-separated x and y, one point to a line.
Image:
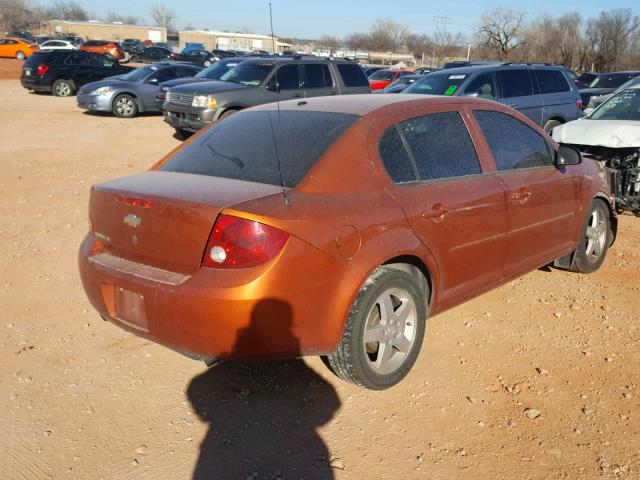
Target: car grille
179	98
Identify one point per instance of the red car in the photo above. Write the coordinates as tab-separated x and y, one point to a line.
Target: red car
380	79
386	209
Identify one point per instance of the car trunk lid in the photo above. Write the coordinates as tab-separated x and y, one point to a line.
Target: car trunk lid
164	219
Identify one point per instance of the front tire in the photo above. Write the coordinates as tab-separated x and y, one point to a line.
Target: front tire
182	134
62	88
594	240
124	106
384	331
20	55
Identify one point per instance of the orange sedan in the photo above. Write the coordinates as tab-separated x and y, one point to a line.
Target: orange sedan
17	48
335	225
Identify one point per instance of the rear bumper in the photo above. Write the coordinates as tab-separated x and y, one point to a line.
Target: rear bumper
34	84
291	306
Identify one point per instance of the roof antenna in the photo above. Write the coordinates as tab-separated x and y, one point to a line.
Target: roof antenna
273	133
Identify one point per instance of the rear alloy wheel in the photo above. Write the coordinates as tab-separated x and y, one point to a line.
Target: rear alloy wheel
384	332
20	55
125	106
550	125
594	241
62	88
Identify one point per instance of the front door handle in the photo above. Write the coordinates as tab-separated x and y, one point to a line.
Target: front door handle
521	195
437	213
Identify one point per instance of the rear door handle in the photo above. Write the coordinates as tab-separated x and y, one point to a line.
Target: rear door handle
437	213
521	195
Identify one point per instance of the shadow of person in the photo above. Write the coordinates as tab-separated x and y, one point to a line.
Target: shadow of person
263	417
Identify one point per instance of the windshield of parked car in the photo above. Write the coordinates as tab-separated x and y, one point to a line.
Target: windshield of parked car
248	73
215	71
623	106
446	84
139	73
381	75
242	146
612	80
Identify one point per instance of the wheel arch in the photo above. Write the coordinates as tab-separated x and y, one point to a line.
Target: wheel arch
131	94
613	216
414	266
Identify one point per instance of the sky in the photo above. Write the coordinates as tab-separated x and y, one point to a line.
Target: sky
312	19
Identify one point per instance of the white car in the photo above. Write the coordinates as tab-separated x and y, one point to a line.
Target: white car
58	45
611	134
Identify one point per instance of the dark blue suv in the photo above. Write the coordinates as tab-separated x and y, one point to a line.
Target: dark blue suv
544	93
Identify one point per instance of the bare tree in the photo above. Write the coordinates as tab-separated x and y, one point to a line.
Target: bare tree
115	17
14	15
67	10
501	31
330	43
609	37
387	35
163	17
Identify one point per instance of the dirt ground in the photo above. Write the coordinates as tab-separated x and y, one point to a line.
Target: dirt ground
82	399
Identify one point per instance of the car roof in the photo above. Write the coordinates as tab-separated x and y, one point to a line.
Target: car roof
469	69
364	104
294	58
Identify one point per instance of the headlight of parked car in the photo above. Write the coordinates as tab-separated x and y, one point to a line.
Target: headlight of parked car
102	91
204	101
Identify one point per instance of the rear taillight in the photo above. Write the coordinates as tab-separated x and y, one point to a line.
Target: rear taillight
579	104
134	202
240	243
41	70
174	56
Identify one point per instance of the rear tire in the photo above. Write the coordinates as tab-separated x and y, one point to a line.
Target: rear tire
62	88
384	331
594	239
550	125
20	55
124	106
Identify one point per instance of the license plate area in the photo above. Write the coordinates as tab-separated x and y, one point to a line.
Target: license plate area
126	306
27	73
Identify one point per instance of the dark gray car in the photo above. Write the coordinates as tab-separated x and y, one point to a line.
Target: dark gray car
127	95
544	93
256	81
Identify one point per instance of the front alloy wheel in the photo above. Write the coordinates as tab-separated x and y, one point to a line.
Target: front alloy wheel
125	106
594	240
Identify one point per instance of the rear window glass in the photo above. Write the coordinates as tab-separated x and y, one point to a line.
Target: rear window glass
441	146
515	83
551	81
352	75
43	57
612	80
317	75
242	146
437	84
395	157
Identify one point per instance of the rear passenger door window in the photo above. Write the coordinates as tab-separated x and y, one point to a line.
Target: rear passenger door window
500	130
431	147
288	77
352	75
317	75
551	81
515	83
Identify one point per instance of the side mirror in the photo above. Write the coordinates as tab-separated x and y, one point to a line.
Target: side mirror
273	86
567	156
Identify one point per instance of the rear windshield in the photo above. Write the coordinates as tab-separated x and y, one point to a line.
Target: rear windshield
446	84
623	106
611	80
43	57
352	75
242	146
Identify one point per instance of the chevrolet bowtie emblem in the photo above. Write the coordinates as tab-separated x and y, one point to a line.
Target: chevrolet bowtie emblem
132	220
